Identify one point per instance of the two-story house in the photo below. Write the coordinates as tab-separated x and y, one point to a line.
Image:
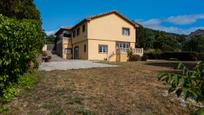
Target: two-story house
106	36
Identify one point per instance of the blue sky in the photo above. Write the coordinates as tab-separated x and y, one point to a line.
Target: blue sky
177	16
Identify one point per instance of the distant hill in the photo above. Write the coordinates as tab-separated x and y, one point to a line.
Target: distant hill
155	39
197	32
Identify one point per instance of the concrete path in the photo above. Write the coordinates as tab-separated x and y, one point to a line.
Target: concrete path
72	64
56	58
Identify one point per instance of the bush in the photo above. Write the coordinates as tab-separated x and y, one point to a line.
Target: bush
20	42
9	93
200	56
26	81
199	111
188	83
144	58
182	56
135	58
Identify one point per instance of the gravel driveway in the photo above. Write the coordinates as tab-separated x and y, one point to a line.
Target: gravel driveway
72	64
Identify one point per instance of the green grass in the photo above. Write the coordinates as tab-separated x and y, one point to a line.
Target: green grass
28	80
25	82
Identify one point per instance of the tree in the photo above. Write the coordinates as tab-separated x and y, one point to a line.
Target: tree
50	39
19	9
195	43
154	39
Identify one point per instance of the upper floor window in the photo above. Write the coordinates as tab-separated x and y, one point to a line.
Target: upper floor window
78	31
74	33
103	48
126	31
83	28
67	35
84	47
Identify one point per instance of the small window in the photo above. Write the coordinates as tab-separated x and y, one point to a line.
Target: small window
74	33
103	49
68	50
126	31
84	47
67	35
83	28
78	31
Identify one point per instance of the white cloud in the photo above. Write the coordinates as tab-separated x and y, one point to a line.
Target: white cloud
173	29
174	20
51	32
185	19
152	22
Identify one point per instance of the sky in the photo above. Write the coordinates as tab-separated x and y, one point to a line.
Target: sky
176	16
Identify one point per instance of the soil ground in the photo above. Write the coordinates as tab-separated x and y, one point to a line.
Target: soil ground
130	89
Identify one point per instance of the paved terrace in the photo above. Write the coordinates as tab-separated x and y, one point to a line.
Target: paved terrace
71	64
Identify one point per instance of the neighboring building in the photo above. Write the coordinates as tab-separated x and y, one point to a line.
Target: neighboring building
106	36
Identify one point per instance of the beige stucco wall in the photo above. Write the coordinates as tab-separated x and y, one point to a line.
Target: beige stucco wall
82	36
106	30
93	53
61	45
110	28
82	54
123	57
93	50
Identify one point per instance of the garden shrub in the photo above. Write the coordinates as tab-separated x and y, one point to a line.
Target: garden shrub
144	58
188	83
20	42
26	81
199	111
9	93
135	58
182	56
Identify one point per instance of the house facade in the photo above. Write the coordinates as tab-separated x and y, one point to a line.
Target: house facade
106	36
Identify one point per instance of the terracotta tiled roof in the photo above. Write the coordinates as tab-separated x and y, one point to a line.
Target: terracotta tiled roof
63	28
111	12
100	15
104	14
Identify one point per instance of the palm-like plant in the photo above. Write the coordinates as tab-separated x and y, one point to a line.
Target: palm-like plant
187	83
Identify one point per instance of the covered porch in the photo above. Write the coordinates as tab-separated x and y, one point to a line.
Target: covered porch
122	53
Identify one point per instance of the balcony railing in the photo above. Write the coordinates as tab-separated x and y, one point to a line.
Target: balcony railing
136	51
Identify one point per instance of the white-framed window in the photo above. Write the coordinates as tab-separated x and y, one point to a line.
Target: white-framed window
126	31
103	48
122	45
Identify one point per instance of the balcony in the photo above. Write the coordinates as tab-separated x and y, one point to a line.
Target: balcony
136	51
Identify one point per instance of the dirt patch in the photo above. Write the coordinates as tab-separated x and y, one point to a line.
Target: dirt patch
130	89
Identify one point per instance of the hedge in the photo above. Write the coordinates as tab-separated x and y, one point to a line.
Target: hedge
20	42
182	56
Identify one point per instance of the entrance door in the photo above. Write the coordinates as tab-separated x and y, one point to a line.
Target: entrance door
76	52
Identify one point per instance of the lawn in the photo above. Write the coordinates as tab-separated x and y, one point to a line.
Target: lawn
131	88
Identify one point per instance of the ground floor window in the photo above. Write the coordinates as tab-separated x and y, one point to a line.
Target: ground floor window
122	45
103	49
68	50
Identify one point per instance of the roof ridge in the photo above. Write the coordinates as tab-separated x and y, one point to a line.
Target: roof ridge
113	11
